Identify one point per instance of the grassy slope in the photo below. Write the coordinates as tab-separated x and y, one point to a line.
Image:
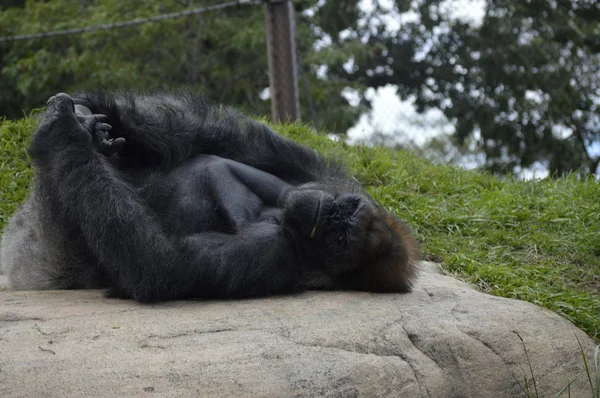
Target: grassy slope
536	241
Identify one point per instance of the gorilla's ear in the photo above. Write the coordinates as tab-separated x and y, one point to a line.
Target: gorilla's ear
394	268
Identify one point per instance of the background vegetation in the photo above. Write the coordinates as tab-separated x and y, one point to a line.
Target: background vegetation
520	84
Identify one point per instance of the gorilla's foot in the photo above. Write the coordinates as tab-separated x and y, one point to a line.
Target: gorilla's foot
62	106
59	105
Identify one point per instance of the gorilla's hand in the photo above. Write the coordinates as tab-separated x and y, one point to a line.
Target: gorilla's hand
100	132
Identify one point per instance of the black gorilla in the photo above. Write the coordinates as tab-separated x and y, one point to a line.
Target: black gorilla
160	197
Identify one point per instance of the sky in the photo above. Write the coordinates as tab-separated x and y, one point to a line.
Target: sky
398	119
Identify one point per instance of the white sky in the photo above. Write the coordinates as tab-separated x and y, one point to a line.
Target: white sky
398	119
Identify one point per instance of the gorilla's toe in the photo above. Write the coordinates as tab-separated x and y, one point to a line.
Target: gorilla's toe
60	103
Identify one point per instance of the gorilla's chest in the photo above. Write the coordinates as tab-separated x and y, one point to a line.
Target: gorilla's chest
209	193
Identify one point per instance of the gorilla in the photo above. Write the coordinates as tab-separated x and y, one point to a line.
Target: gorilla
161	196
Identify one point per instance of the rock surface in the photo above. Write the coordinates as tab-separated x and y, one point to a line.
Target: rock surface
443	340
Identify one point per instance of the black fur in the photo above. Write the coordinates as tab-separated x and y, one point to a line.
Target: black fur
163	197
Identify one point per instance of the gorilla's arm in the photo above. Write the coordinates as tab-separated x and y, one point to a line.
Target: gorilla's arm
233	178
166	130
121	231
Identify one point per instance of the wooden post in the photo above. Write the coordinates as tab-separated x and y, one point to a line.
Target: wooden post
281	50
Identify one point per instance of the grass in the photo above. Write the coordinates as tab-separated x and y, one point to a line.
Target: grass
537	241
15	168
591	374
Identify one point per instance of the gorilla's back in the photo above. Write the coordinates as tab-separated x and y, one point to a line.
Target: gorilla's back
36	255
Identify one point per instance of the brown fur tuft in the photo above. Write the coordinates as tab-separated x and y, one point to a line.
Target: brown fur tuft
393	252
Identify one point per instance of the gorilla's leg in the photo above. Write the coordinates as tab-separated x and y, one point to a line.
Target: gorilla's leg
127	240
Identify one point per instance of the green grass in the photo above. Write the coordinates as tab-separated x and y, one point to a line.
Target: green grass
537	241
15	168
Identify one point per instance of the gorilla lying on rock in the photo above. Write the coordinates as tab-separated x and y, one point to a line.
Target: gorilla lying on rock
161	197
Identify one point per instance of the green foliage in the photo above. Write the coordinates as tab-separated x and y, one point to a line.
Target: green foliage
159	55
221	53
523	86
15	170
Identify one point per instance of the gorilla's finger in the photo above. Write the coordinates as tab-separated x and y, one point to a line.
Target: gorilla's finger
117	143
89	122
98	117
100	135
111	146
103	126
104	146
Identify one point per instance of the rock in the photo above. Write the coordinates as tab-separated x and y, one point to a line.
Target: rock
442	340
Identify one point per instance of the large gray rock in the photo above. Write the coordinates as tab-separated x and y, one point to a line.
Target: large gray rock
443	340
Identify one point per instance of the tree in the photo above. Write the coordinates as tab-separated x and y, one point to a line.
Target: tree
222	54
521	85
524	83
171	54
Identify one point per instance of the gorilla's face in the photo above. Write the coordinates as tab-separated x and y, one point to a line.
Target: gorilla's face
348	228
367	246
